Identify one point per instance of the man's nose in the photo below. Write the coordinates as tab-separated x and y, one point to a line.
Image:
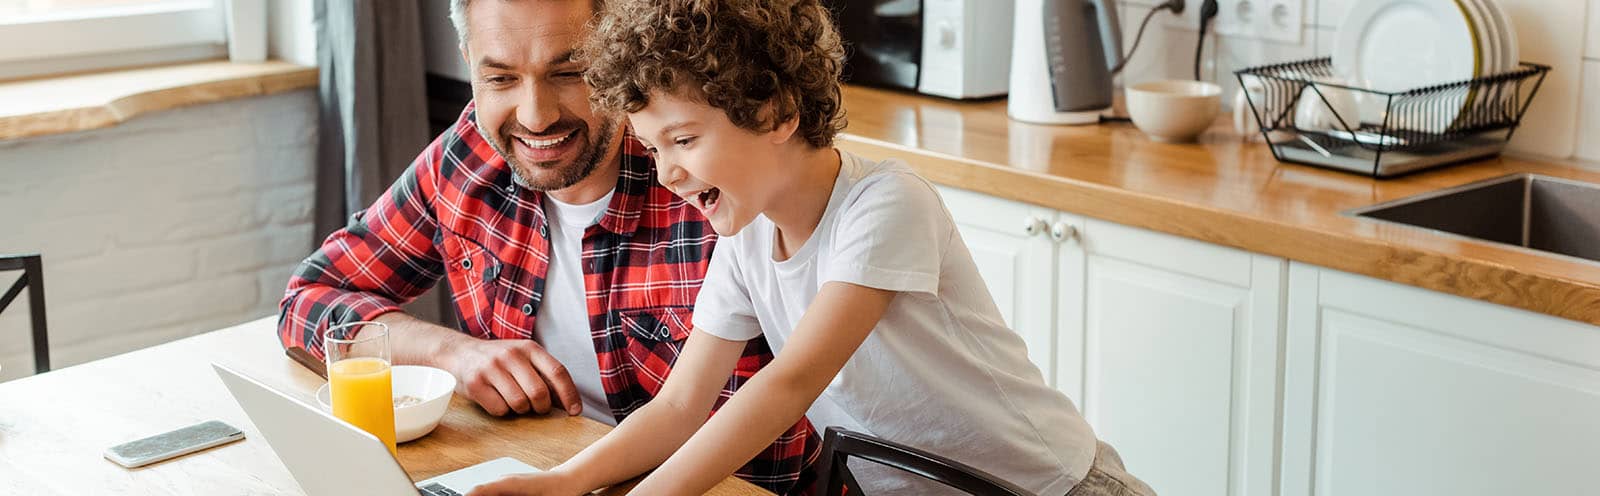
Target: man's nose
540	110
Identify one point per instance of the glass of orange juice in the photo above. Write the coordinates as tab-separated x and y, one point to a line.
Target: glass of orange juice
359	377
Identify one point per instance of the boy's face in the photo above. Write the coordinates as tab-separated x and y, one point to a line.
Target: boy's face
532	103
704	158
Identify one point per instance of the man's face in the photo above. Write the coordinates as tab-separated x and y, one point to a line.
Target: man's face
532	103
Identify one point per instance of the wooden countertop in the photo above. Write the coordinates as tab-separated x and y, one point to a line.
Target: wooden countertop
1225	191
54	426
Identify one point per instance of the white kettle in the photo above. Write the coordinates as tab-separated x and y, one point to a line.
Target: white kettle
1062	52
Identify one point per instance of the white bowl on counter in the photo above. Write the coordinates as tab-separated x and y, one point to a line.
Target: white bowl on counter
1174	111
431	387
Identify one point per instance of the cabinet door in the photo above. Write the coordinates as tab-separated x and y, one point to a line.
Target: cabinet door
1016	265
1395	390
1180	346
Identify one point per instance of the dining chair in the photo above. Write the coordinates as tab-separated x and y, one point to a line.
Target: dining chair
32	279
838	445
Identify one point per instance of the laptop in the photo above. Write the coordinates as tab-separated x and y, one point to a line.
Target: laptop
328	456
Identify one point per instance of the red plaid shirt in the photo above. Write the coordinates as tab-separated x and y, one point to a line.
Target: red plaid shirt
456	214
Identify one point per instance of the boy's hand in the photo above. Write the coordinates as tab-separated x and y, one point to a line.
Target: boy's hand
535	484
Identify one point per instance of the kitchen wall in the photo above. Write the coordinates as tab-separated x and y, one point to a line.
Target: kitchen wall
162	227
1564	122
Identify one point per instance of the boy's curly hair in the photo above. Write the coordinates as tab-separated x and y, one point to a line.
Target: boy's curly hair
736	55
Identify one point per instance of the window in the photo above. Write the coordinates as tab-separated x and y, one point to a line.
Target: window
54	36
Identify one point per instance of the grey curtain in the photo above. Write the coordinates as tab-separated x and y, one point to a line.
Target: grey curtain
374	118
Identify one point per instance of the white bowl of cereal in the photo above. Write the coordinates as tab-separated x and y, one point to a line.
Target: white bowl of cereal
421	397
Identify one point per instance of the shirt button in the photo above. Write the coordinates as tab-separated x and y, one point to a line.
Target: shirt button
527	309
511	188
492	273
544	231
466	263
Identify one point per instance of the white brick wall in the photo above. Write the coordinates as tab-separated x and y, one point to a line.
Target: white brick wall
166	226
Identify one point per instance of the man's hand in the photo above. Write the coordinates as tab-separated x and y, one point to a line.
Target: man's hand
534	484
510	375
502	376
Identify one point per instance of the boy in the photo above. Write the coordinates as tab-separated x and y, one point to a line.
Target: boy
852	269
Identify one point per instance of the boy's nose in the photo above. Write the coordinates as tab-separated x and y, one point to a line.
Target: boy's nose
669	174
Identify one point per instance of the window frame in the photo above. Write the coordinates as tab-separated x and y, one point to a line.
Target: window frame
122	36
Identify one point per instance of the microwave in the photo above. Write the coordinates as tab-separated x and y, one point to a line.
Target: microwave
950	48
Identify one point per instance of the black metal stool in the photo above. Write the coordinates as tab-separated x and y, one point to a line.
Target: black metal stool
834	478
32	279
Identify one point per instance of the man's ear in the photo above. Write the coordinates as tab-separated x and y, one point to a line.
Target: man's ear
464	58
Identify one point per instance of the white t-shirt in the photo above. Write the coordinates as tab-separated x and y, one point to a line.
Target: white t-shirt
563	324
941	371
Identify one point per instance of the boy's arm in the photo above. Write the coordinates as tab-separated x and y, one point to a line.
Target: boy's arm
650	434
835	324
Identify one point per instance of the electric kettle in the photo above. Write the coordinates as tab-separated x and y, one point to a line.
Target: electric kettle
1062	53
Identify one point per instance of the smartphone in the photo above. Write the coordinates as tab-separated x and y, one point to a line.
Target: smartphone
168	445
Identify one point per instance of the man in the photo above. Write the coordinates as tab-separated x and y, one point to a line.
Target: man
573	272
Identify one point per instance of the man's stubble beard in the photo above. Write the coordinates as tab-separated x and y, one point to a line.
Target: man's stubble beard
585	164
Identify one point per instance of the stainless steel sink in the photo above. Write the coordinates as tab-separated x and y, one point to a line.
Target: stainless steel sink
1538	212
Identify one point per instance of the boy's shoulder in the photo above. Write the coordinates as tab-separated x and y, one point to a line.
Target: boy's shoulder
887	181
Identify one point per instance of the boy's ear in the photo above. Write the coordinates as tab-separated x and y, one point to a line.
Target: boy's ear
785	130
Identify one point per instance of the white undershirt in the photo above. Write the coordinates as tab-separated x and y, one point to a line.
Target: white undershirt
563	324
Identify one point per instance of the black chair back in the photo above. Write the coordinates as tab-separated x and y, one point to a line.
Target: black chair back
834	477
32	279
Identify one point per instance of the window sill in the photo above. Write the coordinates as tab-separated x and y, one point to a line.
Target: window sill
77	102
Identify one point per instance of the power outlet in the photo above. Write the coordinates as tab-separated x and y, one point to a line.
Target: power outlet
1275	20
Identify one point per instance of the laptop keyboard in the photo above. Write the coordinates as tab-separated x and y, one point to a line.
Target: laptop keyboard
436	489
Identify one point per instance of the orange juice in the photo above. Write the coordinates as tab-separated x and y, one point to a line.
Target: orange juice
363	395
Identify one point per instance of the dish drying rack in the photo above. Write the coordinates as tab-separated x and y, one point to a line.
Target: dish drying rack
1392	133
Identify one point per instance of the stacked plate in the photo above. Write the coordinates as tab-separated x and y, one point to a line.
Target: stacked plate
1398	45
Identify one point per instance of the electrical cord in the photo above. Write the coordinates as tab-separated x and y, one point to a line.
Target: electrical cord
1208	10
1176	6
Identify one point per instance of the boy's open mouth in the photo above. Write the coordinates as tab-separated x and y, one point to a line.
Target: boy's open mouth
706	200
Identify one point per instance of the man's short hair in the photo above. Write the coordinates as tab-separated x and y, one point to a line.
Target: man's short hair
458	16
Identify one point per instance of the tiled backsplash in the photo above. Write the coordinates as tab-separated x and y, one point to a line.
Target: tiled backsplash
1563	123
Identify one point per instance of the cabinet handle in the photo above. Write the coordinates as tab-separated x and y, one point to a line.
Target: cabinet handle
1033	226
1062	231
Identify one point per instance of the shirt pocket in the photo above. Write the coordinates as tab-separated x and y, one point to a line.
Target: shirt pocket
471	270
655	338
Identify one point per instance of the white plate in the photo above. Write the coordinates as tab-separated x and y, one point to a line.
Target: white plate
1487	34
1510	52
1397	45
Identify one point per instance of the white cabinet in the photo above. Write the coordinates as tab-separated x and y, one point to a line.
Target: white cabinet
1391	389
1180	357
1168	345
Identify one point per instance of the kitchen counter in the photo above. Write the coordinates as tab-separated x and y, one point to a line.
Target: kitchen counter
1224	190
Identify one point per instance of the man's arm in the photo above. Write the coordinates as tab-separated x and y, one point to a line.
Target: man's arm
385	257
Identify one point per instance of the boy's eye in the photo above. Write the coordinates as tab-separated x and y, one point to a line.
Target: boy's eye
684	142
569	75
